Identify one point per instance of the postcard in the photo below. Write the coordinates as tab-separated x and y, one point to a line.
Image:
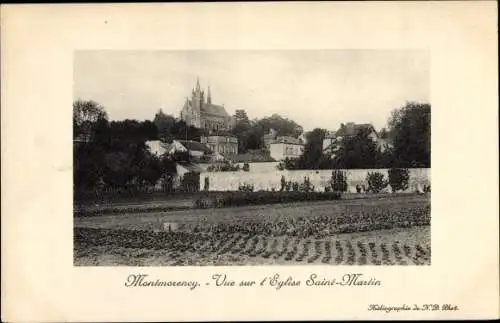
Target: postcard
250	161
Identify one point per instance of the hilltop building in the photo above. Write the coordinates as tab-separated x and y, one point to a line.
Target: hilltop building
202	113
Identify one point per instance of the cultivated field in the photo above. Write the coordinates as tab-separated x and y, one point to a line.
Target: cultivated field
372	231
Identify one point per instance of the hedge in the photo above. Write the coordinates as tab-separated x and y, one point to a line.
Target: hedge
259	198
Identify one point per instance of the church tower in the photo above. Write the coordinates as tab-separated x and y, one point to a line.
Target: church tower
197	105
209	96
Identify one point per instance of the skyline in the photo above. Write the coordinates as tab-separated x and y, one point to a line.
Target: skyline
315	88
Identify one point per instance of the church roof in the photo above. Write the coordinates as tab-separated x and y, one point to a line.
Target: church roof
214	109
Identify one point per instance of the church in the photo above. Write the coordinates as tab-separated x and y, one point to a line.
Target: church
203	114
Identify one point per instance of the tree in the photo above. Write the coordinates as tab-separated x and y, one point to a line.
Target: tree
410	130
383	134
313	150
86	114
241	129
284	126
164	124
357	152
241	117
250	133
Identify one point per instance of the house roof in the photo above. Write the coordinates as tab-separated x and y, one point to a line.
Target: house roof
287	140
157	147
195	146
352	129
215	110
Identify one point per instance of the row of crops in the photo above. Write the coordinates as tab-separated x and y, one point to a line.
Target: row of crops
183	248
311	234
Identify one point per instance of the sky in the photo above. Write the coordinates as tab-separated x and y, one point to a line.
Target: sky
315	88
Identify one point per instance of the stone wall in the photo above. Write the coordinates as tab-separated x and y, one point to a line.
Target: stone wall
268	180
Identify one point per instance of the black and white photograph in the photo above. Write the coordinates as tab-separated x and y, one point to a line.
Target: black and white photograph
240	161
236	157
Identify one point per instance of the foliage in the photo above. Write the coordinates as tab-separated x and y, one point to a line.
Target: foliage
306	186
376	182
115	155
164	124
246	167
206	185
356	152
245	187
410	130
313	150
250	133
398	179
288	164
86	115
190	182
224	166
283	183
246	196
338	181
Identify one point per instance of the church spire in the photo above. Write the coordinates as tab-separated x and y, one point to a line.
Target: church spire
209	96
197	84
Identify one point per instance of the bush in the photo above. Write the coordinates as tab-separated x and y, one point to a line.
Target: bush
246	167
398	179
206	184
246	187
307	186
376	182
339	181
224	167
242	198
283	183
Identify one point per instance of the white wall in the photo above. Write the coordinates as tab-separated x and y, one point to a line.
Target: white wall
266	180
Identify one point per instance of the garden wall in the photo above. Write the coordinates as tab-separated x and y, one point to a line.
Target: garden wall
267	180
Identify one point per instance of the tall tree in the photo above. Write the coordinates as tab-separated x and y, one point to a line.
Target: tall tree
312	157
410	130
164	124
241	129
241	117
357	152
86	114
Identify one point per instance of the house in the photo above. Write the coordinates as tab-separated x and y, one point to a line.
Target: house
221	144
272	137
333	140
269	138
286	149
195	149
157	147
